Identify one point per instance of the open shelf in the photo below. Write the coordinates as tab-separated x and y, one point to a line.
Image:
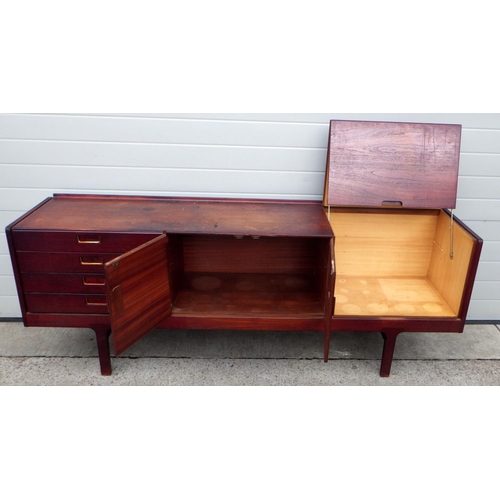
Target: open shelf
248	294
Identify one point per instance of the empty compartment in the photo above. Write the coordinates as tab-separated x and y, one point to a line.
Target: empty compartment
398	263
224	276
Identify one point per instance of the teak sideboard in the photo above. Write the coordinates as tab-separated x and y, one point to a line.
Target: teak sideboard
382	253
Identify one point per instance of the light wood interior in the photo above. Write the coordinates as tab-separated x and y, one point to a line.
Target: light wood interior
449	275
398	264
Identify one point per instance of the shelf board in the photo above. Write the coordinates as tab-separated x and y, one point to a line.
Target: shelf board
248	295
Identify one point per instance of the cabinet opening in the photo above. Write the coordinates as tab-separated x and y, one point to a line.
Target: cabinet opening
224	276
398	264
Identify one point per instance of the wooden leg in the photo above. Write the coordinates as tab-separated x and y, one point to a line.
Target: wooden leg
102	334
328	326
390	336
326	347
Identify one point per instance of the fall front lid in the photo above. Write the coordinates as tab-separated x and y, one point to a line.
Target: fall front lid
410	165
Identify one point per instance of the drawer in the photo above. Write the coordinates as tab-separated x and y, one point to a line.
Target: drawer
60	241
59	303
64	283
34	262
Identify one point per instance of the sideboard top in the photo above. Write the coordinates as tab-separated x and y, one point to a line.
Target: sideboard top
94	213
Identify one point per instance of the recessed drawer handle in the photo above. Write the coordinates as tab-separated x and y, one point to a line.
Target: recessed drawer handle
87	283
392	203
84	262
90	303
82	239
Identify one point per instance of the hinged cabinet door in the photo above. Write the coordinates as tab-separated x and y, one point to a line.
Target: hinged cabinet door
330	283
138	292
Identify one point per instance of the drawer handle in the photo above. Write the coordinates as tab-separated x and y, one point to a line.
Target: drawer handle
83	241
90	303
84	262
98	283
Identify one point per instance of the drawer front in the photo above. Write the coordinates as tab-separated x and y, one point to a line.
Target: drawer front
64	283
58	241
34	262
56	303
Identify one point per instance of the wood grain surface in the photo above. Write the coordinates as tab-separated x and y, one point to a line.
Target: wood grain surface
411	165
138	292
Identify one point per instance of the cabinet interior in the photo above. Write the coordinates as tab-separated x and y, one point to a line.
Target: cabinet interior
394	263
214	275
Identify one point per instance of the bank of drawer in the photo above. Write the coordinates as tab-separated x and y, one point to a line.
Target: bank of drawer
55	262
58	241
64	283
58	303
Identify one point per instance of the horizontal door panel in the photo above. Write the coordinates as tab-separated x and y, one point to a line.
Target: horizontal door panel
34	262
48	241
56	303
64	283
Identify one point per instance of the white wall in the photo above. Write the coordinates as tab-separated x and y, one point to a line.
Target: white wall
224	155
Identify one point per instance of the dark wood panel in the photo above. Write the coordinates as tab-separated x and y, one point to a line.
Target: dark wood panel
178	215
411	165
175	251
228	254
34	262
405	324
53	241
76	320
138	292
325	268
66	303
64	283
245	323
471	271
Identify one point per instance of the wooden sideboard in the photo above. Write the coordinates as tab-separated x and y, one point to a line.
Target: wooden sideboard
127	265
399	261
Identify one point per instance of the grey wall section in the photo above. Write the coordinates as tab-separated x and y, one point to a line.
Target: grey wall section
279	156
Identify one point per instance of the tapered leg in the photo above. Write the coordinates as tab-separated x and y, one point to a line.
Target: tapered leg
326	347
102	333
390	336
328	326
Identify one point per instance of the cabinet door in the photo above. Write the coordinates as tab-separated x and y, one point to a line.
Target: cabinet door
330	282
138	291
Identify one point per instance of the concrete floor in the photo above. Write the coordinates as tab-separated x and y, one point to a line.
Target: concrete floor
68	357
